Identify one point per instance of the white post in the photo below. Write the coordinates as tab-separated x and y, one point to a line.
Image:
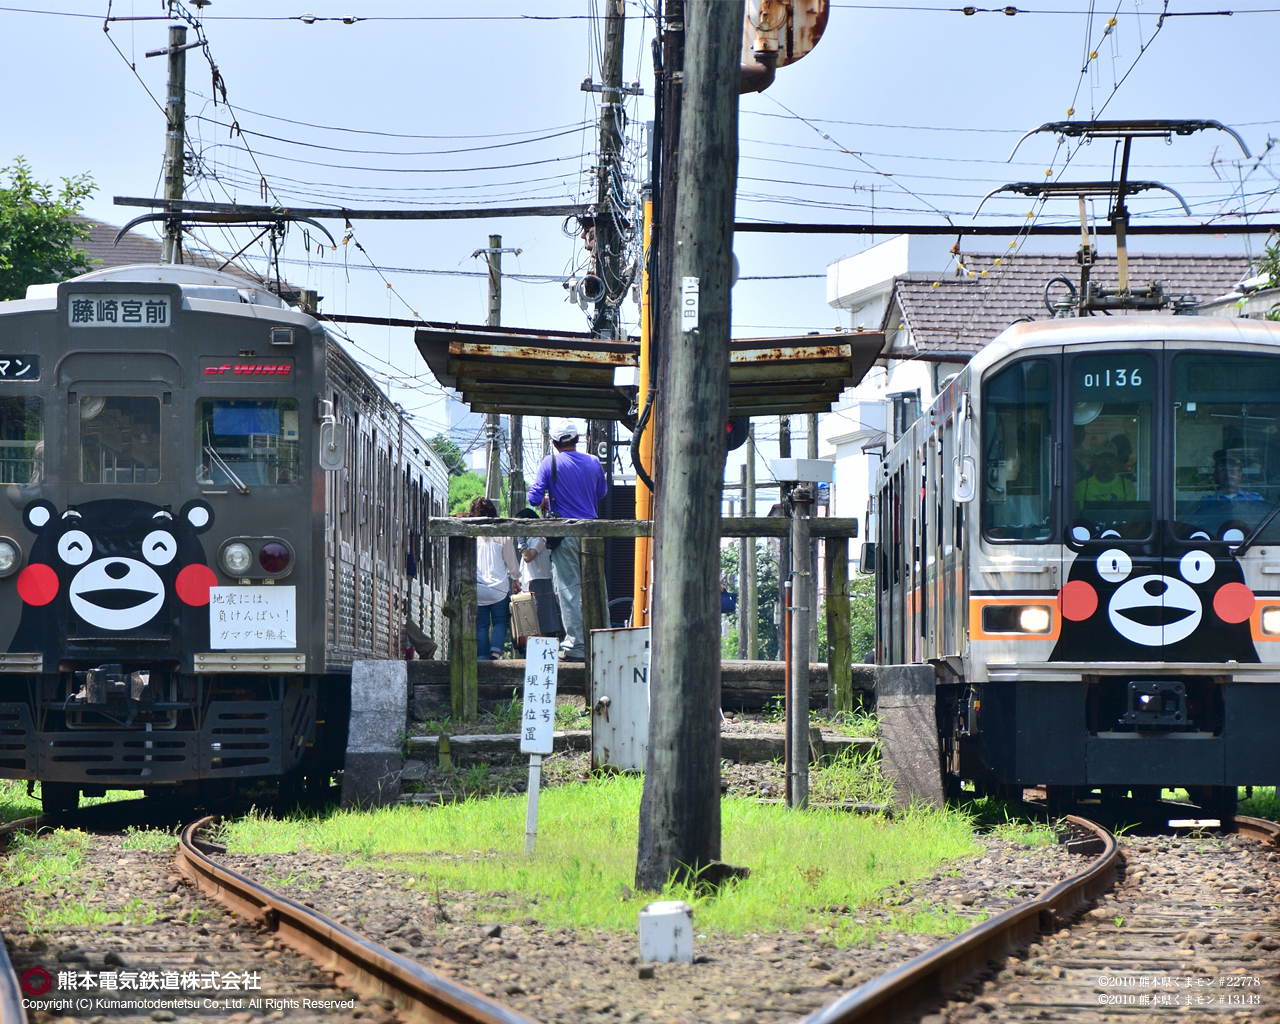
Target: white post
531	818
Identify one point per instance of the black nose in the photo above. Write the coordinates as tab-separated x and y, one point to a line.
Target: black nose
117	570
1155	587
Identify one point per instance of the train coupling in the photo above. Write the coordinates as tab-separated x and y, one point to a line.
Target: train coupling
1156	702
110	682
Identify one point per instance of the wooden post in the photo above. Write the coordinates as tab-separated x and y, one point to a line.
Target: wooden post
752	602
839	639
463	686
595	596
801	611
680	808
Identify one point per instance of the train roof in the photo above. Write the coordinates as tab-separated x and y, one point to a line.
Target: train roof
1039	334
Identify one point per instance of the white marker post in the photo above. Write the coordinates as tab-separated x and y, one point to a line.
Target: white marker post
538	720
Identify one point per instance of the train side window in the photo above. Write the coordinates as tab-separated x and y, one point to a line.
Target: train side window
1111	443
1226	445
119	439
256	439
1017	440
21	440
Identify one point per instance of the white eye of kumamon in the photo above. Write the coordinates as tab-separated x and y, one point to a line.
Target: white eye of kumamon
75	547
1196	567
159	547
1114	565
1080	534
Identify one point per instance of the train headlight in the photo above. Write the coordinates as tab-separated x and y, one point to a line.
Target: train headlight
275	557
236	558
1034	619
1270	620
11	555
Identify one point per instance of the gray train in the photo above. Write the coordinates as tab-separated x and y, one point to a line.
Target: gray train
1082	537
209	512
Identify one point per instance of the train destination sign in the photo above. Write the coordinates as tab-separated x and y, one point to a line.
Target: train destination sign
25	367
119	311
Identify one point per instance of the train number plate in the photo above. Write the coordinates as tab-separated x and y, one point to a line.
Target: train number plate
19	367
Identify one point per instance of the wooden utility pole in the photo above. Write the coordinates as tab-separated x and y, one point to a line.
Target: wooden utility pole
609	185
493	468
680	808
752	603
175	138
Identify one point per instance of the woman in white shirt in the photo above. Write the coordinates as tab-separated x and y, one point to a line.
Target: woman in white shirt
535	575
497	577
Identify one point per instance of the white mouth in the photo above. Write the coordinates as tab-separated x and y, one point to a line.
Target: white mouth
1153	620
114	600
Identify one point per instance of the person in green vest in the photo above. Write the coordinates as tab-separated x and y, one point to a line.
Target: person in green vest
1104	486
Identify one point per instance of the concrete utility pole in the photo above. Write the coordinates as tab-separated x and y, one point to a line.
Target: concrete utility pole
749	596
742	569
784	545
493	468
680	809
515	475
608	244
176	115
811	451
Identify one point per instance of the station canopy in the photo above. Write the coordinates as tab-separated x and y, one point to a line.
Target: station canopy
540	373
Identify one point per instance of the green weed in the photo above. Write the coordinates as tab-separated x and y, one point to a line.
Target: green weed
850	777
143	838
581	876
856	723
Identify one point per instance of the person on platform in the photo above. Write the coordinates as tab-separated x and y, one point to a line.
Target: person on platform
569	485
497	577
535	577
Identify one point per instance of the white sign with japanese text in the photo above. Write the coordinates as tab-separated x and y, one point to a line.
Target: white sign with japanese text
118	311
253	618
537	723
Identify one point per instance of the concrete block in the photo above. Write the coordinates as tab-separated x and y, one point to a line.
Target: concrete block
904	681
379	715
413	771
909	751
666	932
371	779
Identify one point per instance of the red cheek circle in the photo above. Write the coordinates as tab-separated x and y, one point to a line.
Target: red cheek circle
37	584
1078	600
193	584
1233	602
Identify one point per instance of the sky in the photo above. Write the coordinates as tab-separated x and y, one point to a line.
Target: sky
903	112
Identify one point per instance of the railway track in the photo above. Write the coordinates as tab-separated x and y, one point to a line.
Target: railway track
1194	916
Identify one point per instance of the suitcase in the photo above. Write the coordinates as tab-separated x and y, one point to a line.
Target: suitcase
524	616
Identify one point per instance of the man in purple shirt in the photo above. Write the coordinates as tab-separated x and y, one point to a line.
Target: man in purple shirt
574	493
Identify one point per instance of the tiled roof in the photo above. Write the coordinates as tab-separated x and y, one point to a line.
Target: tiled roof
962	313
133	248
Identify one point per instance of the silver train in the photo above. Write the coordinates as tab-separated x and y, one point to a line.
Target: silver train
1081	537
209	510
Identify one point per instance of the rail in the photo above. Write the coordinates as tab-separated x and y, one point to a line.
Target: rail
931	976
370	969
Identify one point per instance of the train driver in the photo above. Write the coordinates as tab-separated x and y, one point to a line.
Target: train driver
1228	474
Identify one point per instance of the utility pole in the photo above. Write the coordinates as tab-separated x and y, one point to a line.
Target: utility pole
546	436
608	242
811	451
752	603
176	115
515	476
742	569
680	808
493	468
784	544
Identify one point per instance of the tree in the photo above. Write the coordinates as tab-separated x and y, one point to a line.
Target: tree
463	489
39	229
451	454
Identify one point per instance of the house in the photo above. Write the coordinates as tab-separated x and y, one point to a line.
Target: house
934	322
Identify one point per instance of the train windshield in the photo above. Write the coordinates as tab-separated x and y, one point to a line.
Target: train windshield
1111	434
1017	435
21	440
119	439
1226	439
253	441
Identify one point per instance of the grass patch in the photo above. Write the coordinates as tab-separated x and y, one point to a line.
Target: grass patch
801	864
853	776
158	840
1265	803
855	723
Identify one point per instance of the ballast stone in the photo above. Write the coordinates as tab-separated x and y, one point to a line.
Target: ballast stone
666	932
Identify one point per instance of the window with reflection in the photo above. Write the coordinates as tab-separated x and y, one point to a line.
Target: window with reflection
1226	445
1017	453
1111	444
247	441
119	439
21	440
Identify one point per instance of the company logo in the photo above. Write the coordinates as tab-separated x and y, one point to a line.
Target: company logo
250	369
36	981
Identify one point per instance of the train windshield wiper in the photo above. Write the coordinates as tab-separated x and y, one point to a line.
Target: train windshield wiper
1253	534
218	460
